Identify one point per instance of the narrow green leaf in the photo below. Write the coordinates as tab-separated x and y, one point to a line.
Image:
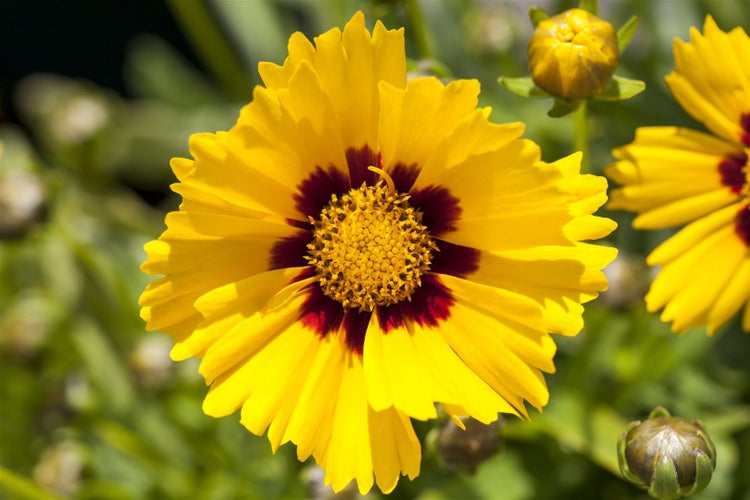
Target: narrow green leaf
16	486
620	88
590	6
211	45
523	86
625	33
537	15
105	369
562	107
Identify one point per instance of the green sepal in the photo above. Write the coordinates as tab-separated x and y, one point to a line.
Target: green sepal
591	6
523	86
620	88
659	411
537	15
625	33
664	483
622	458
561	107
704	469
431	67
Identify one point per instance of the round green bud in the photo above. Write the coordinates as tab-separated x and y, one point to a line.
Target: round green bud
669	456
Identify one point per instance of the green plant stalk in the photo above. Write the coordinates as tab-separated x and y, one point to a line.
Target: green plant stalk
419	29
212	48
581	134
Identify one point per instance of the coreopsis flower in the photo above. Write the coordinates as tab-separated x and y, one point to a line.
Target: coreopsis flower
573	55
358	248
673	176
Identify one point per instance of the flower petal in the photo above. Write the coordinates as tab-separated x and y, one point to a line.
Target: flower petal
413	121
412	369
712	80
688	286
499	335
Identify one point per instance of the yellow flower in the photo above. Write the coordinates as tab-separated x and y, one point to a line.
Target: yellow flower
673	176
358	248
573	55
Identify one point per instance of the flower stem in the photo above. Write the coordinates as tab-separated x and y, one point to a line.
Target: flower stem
419	29
581	134
208	41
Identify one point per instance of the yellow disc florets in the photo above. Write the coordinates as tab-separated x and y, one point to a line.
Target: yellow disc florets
370	248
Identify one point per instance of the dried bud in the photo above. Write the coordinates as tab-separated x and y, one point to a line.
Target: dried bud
22	202
466	448
573	55
669	456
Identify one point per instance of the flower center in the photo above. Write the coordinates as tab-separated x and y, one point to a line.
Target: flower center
369	247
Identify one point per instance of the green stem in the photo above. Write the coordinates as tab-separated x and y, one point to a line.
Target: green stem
581	134
211	46
419	29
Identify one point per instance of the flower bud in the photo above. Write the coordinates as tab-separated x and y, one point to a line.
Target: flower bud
22	202
669	456
466	448
573	55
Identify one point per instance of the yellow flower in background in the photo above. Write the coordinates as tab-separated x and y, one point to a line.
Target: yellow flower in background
673	176
358	248
573	55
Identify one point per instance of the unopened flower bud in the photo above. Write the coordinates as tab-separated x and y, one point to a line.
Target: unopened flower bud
466	448
669	456
573	55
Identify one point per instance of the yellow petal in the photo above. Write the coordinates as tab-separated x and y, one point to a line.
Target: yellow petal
397	450
689	285
733	297
711	81
684	210
413	121
349	453
691	235
499	336
411	370
559	279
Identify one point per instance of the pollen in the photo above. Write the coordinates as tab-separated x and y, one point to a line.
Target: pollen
370	248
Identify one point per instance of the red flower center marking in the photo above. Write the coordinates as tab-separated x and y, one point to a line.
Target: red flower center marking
429	303
732	170
742	224
745	124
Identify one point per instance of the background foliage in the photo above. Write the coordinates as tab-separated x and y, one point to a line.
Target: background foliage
92	407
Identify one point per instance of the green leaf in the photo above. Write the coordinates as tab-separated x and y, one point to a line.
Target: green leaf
16	486
561	107
523	86
105	369
589	6
625	33
155	70
537	15
620	88
211	45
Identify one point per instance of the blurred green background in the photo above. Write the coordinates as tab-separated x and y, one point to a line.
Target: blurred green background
97	96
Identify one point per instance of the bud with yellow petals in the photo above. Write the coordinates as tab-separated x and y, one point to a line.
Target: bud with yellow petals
573	55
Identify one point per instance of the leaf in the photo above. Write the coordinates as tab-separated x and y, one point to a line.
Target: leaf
17	486
592	430
591	6
105	369
562	107
620	88
523	86
537	15
625	33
